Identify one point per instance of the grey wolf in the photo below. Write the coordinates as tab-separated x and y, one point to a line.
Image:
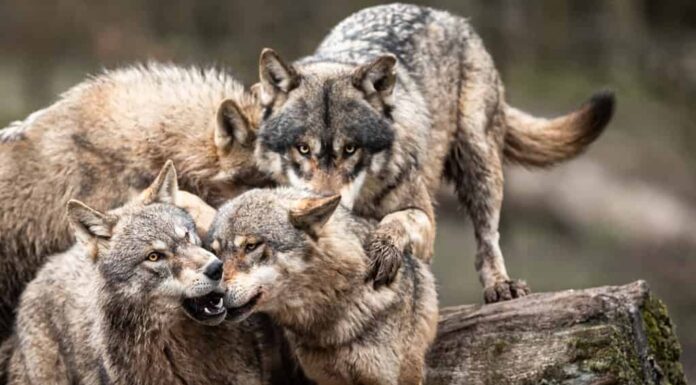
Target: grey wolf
132	302
394	100
103	142
298	257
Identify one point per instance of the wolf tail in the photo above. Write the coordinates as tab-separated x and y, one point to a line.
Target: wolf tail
539	142
6	349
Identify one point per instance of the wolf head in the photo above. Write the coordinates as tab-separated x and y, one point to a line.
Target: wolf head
149	255
325	125
272	244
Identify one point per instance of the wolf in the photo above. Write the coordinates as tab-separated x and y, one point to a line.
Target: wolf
394	100
134	301
298	257
103	142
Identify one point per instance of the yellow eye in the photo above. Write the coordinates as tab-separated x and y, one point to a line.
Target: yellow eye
155	256
249	247
349	149
303	149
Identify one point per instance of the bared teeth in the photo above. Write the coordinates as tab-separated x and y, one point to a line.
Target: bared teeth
214	308
210	305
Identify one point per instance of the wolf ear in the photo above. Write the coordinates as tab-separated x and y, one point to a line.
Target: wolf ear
276	76
164	188
231	125
311	214
88	223
255	92
378	77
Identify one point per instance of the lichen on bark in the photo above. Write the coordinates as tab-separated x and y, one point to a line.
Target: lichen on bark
662	341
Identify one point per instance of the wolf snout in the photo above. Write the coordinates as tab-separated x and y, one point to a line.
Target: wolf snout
240	304
233	298
213	270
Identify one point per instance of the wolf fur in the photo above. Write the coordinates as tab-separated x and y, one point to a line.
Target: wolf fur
6	349
395	99
299	258
105	140
117	308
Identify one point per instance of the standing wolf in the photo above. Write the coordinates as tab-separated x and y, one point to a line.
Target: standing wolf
299	258
349	118
117	308
104	140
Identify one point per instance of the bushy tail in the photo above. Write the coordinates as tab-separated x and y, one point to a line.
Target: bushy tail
6	350
539	142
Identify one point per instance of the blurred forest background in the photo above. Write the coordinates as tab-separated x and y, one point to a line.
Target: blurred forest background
624	211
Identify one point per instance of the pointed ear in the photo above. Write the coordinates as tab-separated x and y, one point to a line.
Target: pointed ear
255	91
311	214
164	188
88	223
276	76
378	77
231	125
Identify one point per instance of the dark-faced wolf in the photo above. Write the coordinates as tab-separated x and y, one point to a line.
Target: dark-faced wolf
298	257
103	142
131	303
395	99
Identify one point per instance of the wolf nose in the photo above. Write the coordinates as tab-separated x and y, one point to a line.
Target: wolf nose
214	270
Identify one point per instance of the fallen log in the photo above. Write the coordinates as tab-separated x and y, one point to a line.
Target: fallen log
599	336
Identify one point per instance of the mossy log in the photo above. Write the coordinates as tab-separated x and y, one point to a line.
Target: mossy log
606	335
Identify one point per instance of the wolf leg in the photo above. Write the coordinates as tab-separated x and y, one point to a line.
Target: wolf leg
408	228
398	233
480	189
479	185
475	165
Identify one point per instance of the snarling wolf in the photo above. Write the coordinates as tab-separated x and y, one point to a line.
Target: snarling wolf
132	302
395	99
103	142
298	257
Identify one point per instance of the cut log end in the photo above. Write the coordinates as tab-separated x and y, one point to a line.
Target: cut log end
606	335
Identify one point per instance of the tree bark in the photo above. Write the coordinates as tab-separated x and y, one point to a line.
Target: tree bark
606	335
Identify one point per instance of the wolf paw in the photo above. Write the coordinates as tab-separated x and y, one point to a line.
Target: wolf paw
505	290
385	260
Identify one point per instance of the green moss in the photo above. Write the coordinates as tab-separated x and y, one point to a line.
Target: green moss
608	353
598	354
662	341
499	347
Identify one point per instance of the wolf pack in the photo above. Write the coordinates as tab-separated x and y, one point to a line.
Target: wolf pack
167	225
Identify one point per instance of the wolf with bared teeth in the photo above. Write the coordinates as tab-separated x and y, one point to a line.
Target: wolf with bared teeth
134	301
298	257
395	99
104	141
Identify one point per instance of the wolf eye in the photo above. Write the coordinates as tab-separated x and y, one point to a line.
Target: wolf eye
350	149
155	256
249	247
303	148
